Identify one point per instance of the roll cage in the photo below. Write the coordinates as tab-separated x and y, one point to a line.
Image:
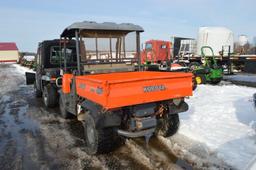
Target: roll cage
107	31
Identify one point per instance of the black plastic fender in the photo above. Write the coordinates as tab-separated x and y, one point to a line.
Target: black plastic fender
102	118
182	107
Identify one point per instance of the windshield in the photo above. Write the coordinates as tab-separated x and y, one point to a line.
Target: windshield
57	55
148	46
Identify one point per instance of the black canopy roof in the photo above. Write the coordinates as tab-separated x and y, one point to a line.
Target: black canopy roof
105	26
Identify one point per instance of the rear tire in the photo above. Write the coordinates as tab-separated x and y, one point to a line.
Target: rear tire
97	140
50	96
168	125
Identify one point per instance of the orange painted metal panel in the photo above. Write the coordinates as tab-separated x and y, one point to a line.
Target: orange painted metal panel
66	82
115	90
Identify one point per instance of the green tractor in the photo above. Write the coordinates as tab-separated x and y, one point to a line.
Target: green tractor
209	71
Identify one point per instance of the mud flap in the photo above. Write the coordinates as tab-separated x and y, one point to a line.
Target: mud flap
30	78
147	134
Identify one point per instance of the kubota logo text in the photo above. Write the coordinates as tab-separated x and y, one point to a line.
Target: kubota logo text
154	88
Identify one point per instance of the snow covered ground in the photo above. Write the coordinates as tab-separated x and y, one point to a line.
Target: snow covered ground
220	117
224	119
22	69
241	77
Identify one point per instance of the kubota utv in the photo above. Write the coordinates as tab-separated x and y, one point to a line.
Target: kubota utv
209	71
110	93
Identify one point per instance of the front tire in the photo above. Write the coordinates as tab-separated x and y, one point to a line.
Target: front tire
38	92
50	96
63	111
168	125
97	140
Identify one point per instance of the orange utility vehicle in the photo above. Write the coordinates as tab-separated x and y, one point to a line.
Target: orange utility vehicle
110	93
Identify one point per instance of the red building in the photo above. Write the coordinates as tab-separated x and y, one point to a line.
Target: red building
8	52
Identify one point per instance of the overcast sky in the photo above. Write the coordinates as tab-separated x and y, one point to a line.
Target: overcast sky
28	22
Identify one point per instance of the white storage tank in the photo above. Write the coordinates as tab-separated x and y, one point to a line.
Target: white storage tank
243	40
215	37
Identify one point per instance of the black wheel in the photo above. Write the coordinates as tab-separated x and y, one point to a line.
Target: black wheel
50	96
38	92
97	140
63	111
193	65
168	125
215	81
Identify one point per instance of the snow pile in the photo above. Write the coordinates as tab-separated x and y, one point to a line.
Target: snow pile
29	57
22	69
223	117
241	77
252	164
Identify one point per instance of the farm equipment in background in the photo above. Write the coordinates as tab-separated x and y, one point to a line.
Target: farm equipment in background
27	59
209	71
155	52
109	92
156	56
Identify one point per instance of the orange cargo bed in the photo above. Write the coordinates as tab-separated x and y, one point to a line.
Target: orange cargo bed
114	90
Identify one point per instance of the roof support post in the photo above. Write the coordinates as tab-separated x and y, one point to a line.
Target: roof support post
65	55
96	42
78	53
110	48
138	48
120	48
124	46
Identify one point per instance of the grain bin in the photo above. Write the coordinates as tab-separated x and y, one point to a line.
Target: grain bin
215	37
